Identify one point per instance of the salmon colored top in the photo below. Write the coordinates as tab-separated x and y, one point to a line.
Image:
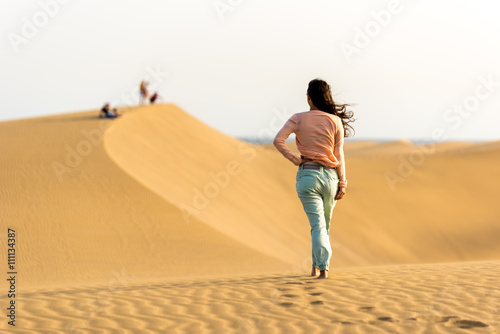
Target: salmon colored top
319	136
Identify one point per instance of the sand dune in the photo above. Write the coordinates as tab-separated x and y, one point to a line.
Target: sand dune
184	229
95	215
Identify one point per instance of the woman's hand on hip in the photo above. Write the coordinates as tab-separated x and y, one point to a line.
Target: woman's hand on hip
340	193
303	159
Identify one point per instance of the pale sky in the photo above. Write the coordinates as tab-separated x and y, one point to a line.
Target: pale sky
242	66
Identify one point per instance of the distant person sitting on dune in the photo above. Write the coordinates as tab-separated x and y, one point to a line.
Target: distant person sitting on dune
153	98
107	112
143	91
321	179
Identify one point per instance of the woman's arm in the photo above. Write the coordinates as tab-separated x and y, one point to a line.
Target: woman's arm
338	151
279	141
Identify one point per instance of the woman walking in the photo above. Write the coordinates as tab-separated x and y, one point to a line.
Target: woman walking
321	178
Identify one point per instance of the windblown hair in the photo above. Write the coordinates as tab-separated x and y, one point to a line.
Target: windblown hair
321	96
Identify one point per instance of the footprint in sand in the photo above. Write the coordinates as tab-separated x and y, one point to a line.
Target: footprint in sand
287	304
317	302
388	319
343	322
433	318
290	296
366	308
316	293
468	324
451	321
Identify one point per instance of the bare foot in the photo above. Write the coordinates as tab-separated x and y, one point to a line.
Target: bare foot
323	274
315	272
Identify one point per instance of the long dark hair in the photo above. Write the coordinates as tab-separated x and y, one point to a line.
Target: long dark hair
321	96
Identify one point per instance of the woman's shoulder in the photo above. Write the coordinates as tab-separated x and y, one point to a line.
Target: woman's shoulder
336	118
333	117
297	116
315	114
335	121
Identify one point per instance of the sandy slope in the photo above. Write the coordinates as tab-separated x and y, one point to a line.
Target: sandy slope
157	196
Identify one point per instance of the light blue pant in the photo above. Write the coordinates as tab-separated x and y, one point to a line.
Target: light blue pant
317	189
